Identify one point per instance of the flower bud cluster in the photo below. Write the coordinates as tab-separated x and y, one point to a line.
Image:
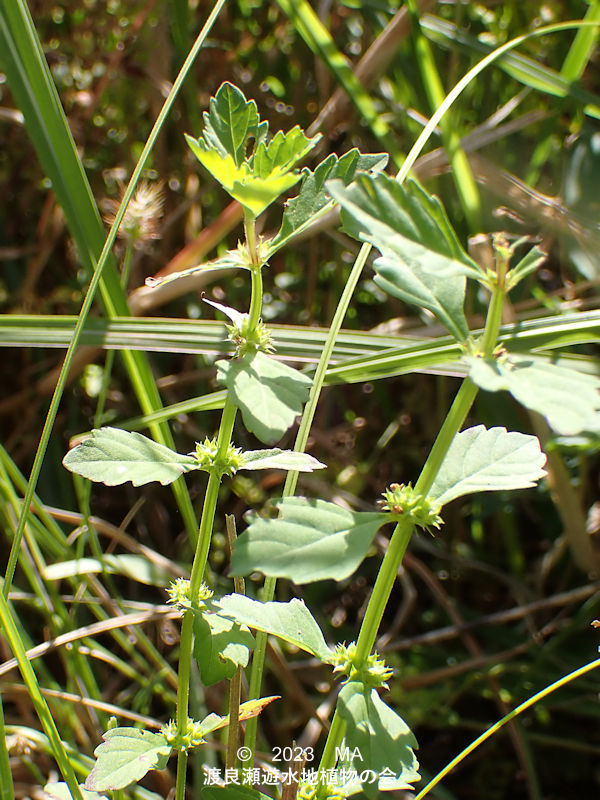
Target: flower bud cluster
401	499
179	592
207	455
192	736
372	672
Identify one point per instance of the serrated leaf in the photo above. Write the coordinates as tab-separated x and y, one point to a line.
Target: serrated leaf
125	756
313	200
60	791
221	645
569	400
310	540
280	459
113	456
422	261
230	122
282	152
232	259
383	739
290	621
269	394
481	460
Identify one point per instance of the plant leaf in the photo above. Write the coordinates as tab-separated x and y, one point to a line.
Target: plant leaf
282	152
310	540
125	756
313	199
113	456
422	261
568	399
383	739
290	621
60	791
280	459
481	460
230	122
137	568
220	645
269	394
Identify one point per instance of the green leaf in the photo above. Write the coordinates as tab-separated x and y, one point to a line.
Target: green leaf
125	756
60	791
481	460
269	394
113	456
313	200
528	264
256	180
383	739
220	645
137	568
569	400
282	152
280	459
422	261
230	122
290	621
310	540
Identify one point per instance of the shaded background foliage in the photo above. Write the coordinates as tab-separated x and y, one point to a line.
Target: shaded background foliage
496	605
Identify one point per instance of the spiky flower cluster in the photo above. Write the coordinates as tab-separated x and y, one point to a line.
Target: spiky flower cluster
249	341
179	592
140	222
372	672
207	453
401	499
192	736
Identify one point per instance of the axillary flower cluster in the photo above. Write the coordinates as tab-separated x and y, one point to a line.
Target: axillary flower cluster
402	501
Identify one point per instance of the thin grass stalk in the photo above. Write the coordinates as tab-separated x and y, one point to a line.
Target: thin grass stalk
38	700
7	788
462	174
110	239
548	690
320	41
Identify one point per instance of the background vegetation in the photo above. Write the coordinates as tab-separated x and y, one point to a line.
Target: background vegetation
499	603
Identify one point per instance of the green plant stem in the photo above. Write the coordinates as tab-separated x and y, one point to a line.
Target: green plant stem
38	700
510	716
462	174
7	789
268	592
89	297
392	560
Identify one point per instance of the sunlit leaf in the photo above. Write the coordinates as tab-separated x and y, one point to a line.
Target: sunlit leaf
137	568
310	540
313	199
230	122
290	621
60	791
570	400
383	739
481	460
280	459
269	394
113	456
125	756
422	261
